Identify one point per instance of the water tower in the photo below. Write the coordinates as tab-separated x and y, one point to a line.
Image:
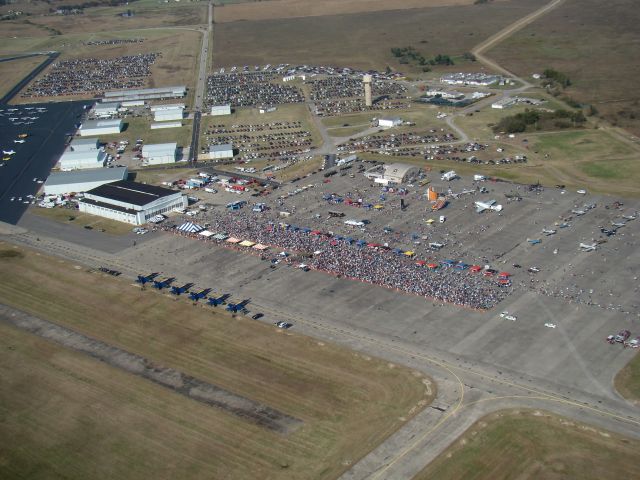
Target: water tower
366	79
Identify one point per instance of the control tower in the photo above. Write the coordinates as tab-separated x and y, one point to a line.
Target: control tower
366	79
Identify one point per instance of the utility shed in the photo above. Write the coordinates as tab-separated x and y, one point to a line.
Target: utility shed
100	127
77	181
159	153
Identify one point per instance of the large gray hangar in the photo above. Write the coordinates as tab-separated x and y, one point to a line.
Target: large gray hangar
78	181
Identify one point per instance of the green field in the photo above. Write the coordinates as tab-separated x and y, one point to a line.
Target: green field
595	44
135	128
535	445
66	415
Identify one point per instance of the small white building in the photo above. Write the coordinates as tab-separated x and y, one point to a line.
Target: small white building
100	127
71	160
217	152
106	109
504	103
159	153
131	202
78	181
220	110
389	122
85	144
164	113
156	126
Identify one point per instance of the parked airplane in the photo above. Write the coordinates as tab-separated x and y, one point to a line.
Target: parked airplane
9	152
436	245
534	241
548	232
578	212
618	224
629	217
588	248
19	141
160	284
219	300
195	296
490	205
237	307
564	225
142	279
179	290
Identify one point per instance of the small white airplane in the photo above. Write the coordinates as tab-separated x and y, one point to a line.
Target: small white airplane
19	141
490	205
588	248
578	212
436	245
8	152
629	217
548	232
618	224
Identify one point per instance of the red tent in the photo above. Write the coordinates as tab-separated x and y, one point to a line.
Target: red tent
432	266
475	268
421	263
316	232
504	275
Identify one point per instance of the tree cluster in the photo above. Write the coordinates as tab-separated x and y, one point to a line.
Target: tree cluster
553	78
558	119
409	54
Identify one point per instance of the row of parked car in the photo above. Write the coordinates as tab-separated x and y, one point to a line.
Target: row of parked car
623	337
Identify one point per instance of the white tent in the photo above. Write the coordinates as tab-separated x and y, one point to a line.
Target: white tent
190	227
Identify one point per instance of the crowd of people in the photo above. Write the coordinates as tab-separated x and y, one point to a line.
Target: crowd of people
345	257
244	89
93	75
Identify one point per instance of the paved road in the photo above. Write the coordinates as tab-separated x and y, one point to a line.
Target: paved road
200	88
24	82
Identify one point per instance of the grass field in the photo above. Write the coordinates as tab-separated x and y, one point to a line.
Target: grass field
627	380
177	65
535	445
278	9
595	44
67	415
82	220
108	19
13	71
246	116
362	40
139	128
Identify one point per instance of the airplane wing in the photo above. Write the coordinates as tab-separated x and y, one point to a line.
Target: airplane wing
490	202
480	209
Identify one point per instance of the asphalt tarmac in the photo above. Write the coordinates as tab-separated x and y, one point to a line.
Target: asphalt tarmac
34	158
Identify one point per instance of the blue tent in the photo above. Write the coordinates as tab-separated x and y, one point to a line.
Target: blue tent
398	251
361	243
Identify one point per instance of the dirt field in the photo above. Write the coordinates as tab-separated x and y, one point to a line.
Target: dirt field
362	40
595	44
279	9
535	445
15	70
70	414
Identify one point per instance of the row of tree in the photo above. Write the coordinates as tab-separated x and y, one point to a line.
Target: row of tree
538	120
411	55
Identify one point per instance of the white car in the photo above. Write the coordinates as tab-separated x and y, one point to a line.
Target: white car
550	325
635	343
508	316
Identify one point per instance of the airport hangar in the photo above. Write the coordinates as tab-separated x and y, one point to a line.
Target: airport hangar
100	127
83	153
78	181
159	153
393	173
131	202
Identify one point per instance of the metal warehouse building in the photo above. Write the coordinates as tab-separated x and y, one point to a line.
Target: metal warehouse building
131	202
85	144
156	126
71	160
100	127
159	153
107	108
219	151
82	180
146	94
220	110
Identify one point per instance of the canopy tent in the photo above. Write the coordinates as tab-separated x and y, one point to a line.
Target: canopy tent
247	243
206	233
432	266
233	240
475	268
409	253
190	227
221	236
259	246
421	263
